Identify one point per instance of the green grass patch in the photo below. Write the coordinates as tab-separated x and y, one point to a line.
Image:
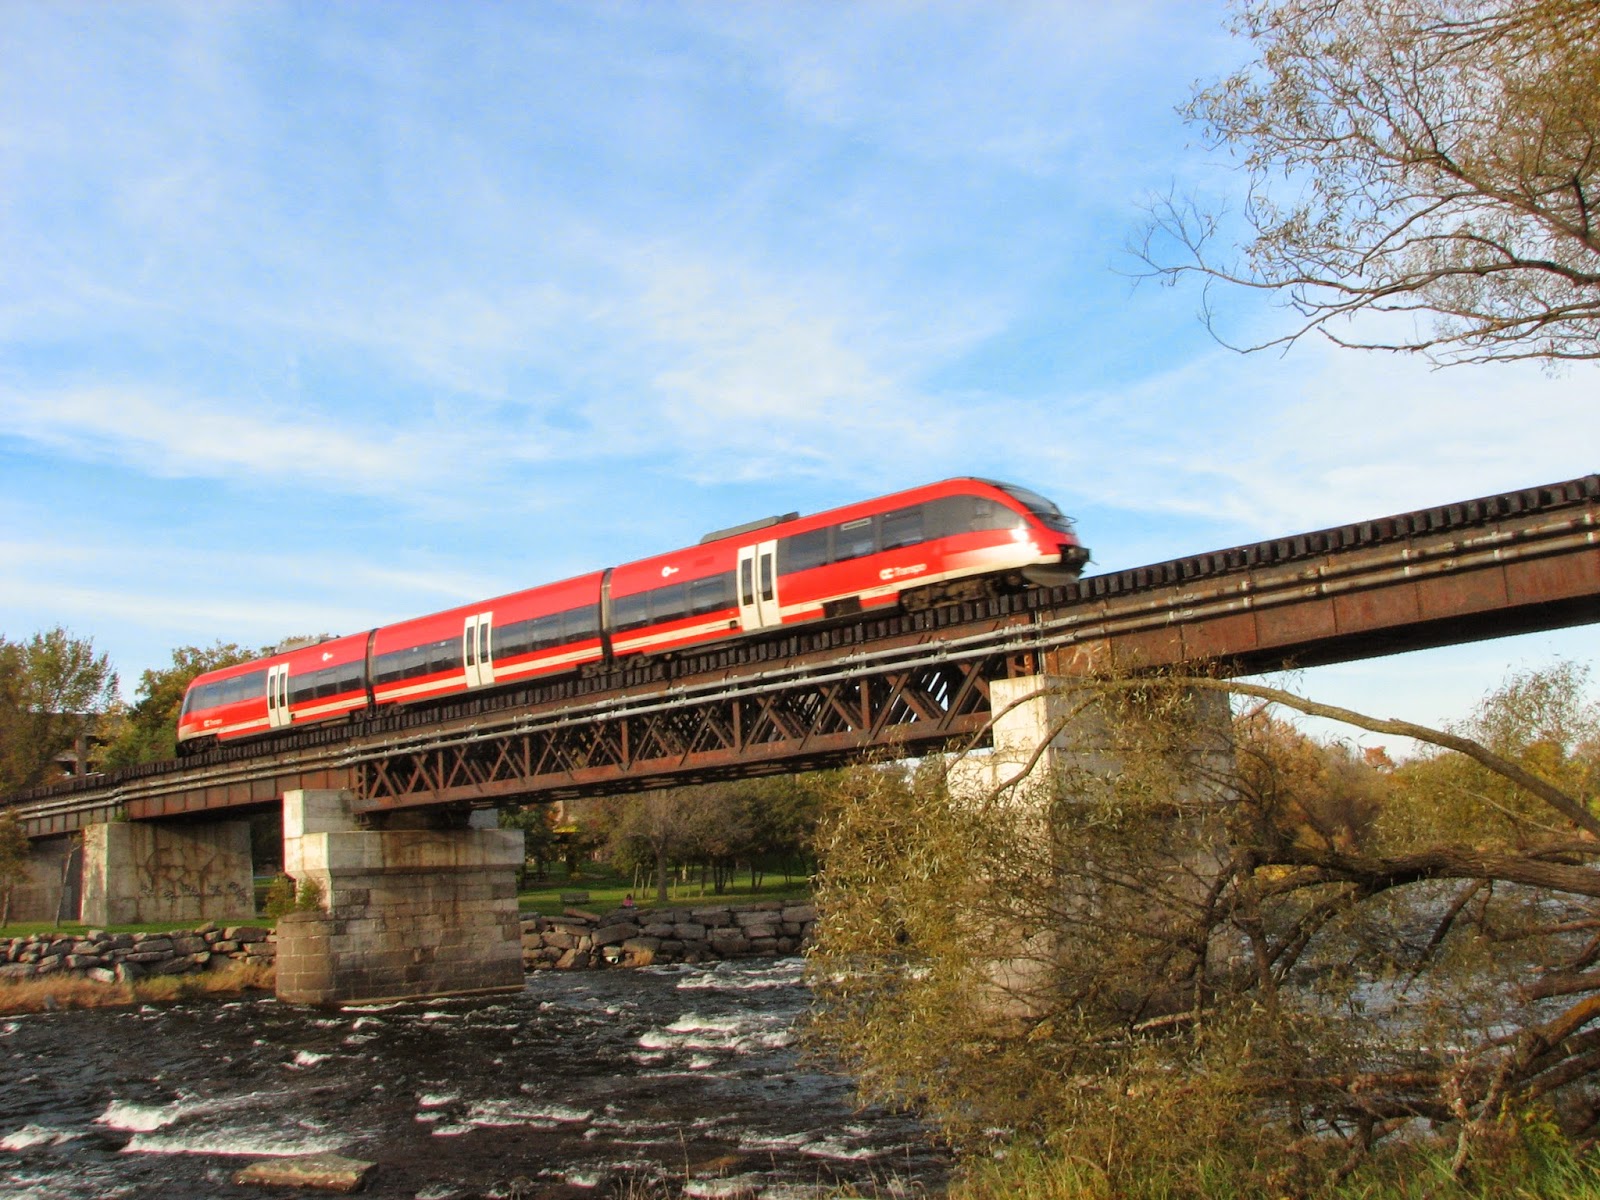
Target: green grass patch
606	890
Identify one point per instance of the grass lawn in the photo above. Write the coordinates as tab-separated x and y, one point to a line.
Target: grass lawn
606	889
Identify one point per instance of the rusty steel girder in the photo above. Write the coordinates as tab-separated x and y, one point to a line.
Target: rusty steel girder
809	724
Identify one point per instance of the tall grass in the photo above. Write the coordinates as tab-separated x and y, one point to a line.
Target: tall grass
1526	1165
71	991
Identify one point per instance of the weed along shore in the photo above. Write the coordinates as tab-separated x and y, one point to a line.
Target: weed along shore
97	968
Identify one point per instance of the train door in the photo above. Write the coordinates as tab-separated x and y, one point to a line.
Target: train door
758	586
278	714
476	651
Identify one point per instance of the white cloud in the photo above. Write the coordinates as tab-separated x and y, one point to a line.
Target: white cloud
171	435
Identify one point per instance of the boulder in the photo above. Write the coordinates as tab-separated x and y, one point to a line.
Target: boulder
612	935
323	1172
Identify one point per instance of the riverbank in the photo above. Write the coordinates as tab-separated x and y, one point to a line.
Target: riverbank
580	939
63	991
106	957
96	968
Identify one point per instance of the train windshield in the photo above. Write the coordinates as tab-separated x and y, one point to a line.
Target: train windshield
1043	510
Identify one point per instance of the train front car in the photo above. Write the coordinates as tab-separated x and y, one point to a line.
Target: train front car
226	703
1053	534
956	540
316	681
937	544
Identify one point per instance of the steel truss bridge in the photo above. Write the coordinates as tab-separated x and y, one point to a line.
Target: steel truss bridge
910	683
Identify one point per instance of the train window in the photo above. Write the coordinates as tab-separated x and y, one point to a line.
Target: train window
509	640
994	515
242	687
803	551
854	539
710	595
970	514
544	632
670	603
903	527
581	623
1043	510
541	633
747	583
444	656
630	612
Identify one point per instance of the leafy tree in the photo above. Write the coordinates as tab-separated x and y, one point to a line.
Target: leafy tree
1406	159
778	815
150	729
52	689
14	852
650	830
1230	950
538	832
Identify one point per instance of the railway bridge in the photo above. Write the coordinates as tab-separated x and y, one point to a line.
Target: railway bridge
405	795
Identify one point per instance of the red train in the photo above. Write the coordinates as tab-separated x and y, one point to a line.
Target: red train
931	545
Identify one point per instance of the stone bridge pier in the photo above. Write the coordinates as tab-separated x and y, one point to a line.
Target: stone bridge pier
1051	741
400	912
179	870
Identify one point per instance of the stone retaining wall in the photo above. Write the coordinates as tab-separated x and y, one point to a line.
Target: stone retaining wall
580	940
577	940
121	957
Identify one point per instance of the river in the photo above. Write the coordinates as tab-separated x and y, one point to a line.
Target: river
656	1082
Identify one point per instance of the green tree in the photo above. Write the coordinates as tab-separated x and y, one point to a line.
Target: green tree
149	730
53	688
538	832
651	831
14	852
1232	949
1428	163
778	814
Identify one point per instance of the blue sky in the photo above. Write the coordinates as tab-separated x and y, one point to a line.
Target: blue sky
314	316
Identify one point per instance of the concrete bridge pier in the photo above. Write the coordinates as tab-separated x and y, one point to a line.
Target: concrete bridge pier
401	912
181	870
1051	740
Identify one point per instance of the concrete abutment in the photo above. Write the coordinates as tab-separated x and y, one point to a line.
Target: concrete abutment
402	913
137	872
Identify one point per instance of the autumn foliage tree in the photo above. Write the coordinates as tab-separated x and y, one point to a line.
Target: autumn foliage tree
1232	948
1434	164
